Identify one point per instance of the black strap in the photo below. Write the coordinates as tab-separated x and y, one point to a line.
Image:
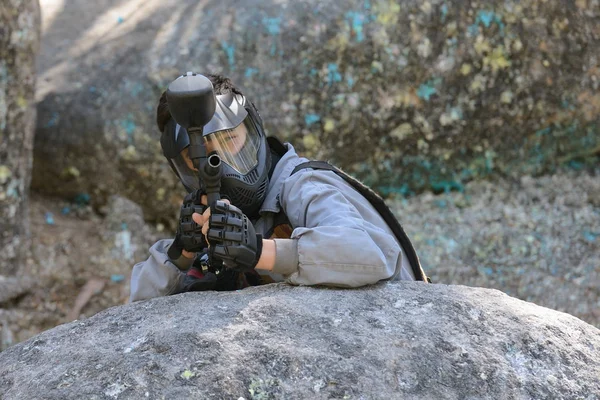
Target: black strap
276	145
377	202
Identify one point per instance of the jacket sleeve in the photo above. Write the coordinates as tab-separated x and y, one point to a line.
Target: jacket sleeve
157	276
339	239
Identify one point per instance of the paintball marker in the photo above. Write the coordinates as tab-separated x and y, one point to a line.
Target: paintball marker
192	104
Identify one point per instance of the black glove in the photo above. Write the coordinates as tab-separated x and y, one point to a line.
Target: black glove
189	235
232	237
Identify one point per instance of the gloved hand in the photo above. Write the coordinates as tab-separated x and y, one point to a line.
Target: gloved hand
232	237
189	235
197	281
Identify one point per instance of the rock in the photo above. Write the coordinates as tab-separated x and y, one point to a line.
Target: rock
13	287
405	95
19	42
392	340
125	236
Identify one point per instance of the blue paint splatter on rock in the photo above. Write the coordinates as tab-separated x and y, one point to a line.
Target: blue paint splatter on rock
333	75
230	52
425	91
356	21
250	72
311	119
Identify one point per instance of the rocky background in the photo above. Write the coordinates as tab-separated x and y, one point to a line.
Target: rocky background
19	44
478	119
407	95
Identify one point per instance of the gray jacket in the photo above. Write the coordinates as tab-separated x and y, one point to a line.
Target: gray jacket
338	238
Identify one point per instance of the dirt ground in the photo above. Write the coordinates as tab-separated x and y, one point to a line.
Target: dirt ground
535	239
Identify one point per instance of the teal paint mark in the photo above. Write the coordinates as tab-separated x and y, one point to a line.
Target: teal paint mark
486	18
426	90
486	270
273	26
117	278
333	75
466	174
313	72
92	89
576	165
571	129
230	52
367	5
123	242
446	186
53	121
311	119
473	30
590	236
543	132
12	192
590	140
444	11
250	72
65	210
49	217
565	104
457	112
349	81
136	88
120	20
129	126
356	22
425	164
441	203
82	199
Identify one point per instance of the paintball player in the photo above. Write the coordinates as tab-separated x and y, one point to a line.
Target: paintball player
280	217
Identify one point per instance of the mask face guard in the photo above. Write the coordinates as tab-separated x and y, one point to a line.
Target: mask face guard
240	150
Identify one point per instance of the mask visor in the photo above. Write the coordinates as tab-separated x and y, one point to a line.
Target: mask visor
237	147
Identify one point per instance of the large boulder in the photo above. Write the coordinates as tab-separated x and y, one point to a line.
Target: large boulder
392	340
19	42
407	95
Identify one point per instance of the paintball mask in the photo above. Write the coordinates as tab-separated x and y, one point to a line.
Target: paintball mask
236	134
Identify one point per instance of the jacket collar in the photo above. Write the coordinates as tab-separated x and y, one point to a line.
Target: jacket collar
282	171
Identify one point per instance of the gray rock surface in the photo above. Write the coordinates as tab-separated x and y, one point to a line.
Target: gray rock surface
534	239
407	95
19	43
12	287
393	340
